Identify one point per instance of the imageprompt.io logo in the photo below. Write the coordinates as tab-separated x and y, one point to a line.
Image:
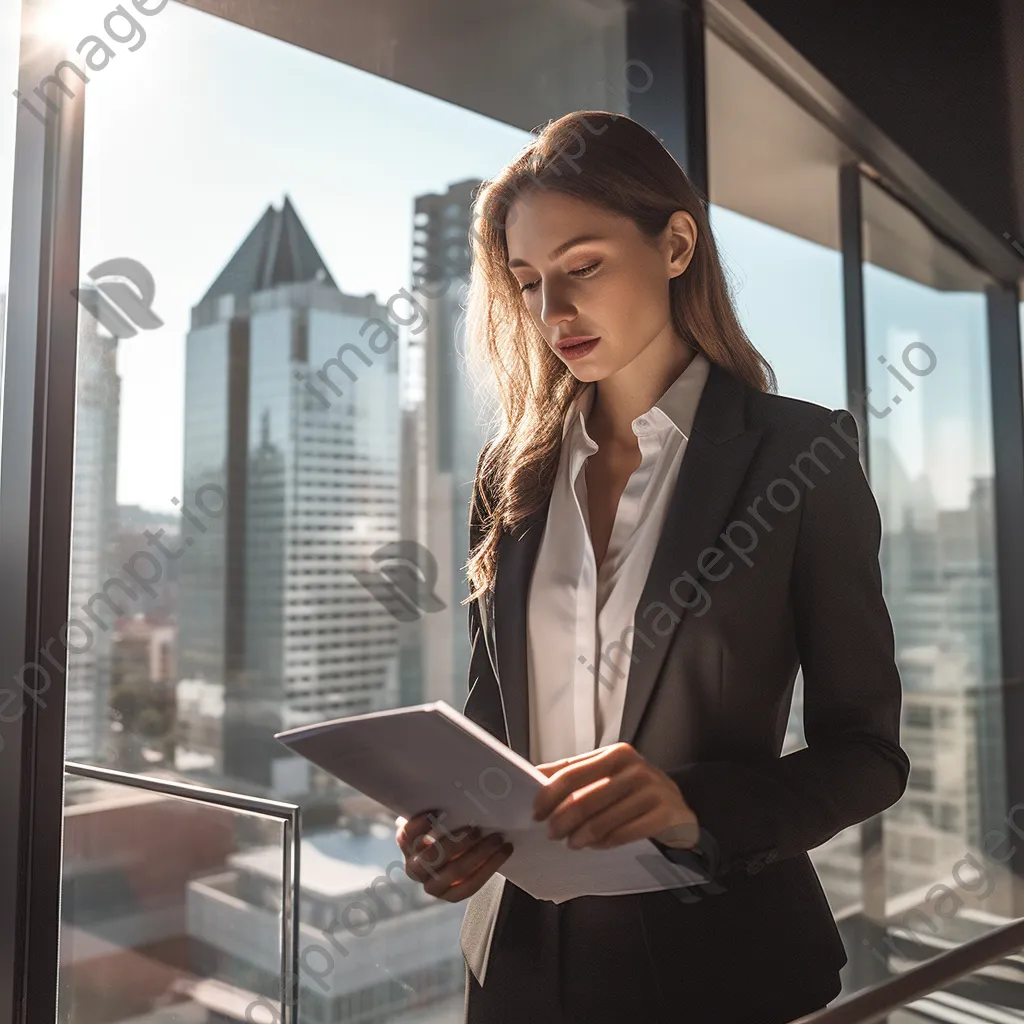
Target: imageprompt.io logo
404	580
121	298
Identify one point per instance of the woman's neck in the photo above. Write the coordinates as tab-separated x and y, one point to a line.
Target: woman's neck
623	396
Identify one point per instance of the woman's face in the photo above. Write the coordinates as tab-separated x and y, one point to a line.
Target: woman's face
586	272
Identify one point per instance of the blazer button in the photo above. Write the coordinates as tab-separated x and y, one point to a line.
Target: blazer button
753	867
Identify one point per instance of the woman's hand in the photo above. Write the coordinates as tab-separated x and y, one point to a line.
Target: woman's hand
450	864
611	796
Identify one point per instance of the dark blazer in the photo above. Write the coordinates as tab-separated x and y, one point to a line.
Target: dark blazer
768	560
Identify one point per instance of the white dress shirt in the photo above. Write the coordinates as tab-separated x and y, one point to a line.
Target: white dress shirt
580	620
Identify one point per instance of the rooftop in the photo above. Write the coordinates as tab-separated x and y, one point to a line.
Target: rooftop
333	863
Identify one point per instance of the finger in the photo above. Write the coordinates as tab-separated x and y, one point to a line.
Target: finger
464	889
461	868
419	823
562	781
430	853
416	826
583	804
581	770
550	767
583	755
605	764
645	826
627	818
451	840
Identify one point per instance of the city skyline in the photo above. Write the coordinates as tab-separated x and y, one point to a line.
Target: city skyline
181	215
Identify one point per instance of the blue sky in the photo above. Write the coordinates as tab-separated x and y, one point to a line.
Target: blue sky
192	135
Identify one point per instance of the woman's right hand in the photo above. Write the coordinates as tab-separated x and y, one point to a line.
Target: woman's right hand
453	863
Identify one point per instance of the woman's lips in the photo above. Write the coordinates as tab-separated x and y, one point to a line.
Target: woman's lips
579	350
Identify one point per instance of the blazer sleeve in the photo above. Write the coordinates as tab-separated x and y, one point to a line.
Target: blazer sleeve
853	766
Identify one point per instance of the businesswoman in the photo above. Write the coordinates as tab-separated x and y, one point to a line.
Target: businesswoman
658	541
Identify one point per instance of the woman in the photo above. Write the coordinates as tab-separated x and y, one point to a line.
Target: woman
657	542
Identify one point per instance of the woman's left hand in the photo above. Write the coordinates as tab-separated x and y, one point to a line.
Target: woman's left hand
610	796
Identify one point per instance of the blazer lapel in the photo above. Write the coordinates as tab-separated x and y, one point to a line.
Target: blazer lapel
517	556
714	464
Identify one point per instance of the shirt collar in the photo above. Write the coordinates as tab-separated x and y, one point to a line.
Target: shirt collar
676	408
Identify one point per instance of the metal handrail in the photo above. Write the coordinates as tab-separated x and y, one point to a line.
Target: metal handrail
878	1001
187	790
290	814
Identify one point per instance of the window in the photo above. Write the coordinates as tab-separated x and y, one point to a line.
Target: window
781	251
243	450
930	434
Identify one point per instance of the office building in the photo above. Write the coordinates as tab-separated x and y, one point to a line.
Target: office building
291	484
452	424
377	947
94	607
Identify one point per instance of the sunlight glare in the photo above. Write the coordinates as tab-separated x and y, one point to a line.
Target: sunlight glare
68	21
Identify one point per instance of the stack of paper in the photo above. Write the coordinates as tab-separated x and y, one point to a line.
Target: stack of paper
429	756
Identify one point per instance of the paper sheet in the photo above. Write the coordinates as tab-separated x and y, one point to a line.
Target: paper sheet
429	756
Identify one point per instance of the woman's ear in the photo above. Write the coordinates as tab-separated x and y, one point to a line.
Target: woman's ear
681	236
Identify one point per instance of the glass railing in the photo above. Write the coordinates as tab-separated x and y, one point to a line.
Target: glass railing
177	903
980	981
180	906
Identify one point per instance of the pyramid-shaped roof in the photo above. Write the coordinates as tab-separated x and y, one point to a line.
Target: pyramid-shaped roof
277	251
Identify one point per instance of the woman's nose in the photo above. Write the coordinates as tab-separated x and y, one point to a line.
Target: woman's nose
556	307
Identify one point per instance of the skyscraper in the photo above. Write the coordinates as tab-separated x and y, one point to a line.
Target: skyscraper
453	428
93	538
290	484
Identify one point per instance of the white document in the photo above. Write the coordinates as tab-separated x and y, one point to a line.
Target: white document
430	756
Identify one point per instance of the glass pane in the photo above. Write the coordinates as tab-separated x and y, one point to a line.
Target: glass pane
10	39
170	909
774	183
271	390
930	430
774	190
234	475
789	298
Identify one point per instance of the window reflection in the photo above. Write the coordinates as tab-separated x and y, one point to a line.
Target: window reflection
930	431
780	245
257	474
789	299
160	895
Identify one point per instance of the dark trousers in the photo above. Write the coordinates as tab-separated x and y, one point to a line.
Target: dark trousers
589	961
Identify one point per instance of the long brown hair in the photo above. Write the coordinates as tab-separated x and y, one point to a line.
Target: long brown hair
614	162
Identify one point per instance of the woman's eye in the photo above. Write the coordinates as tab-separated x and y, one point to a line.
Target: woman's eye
580	272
